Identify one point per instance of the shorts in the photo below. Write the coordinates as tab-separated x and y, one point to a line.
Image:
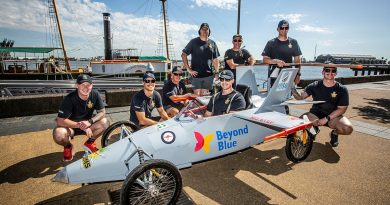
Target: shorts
321	115
77	131
202	83
179	107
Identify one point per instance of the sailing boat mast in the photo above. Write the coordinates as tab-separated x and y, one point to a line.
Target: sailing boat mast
61	37
165	28
238	16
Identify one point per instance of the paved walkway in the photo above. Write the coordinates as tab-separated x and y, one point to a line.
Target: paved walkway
356	172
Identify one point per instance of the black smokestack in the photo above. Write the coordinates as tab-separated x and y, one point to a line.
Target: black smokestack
107	37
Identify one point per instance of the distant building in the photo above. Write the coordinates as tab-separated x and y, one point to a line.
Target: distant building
347	58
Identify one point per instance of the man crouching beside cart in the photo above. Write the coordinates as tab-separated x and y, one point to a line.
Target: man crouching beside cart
330	113
75	117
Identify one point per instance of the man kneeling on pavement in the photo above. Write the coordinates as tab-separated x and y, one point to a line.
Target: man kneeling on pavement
330	113
75	117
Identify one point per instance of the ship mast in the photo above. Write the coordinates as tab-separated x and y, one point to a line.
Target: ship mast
238	16
165	28
61	37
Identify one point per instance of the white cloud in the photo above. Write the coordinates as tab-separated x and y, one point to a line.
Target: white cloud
308	28
327	43
221	4
292	18
82	25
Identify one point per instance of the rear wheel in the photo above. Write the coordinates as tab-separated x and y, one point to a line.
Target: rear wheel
115	132
152	182
299	145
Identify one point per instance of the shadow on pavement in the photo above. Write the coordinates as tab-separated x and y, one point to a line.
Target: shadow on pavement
378	109
218	176
36	167
214	176
89	194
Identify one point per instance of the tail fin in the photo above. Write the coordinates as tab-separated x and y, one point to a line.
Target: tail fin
280	91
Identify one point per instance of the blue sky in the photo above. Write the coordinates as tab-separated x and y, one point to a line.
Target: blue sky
336	27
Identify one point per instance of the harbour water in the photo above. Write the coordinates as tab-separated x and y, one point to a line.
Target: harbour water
308	72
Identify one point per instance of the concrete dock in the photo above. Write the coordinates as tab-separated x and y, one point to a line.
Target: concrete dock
355	172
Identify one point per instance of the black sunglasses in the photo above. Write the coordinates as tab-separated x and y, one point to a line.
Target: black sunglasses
149	81
177	74
327	70
283	28
237	40
224	79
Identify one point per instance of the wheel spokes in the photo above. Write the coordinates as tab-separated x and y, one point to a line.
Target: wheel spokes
154	186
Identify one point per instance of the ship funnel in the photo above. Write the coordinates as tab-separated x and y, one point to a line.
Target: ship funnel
107	37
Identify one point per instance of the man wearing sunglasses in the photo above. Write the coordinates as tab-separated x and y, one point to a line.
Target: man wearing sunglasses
75	117
336	103
281	50
204	57
227	100
144	102
175	87
236	56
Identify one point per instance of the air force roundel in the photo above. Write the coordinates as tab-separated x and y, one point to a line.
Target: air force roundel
168	137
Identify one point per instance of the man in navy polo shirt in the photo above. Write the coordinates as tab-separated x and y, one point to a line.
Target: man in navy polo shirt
75	116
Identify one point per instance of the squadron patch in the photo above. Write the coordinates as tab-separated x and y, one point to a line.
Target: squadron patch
151	103
89	104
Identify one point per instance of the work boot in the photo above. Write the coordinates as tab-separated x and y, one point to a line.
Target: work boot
334	138
90	145
68	153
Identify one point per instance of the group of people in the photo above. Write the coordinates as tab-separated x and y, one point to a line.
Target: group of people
147	107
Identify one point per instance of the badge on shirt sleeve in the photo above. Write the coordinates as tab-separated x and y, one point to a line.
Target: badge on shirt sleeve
89	104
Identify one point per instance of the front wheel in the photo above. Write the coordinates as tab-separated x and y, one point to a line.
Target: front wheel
115	132
152	182
299	145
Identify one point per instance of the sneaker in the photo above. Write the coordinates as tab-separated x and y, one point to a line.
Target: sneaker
334	138
90	145
68	153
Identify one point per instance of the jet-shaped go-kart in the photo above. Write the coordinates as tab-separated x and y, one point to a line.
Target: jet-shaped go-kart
148	160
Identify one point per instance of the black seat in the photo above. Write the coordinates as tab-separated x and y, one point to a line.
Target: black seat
246	91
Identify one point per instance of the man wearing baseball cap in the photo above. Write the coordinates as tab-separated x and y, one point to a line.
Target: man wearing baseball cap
204	57
145	101
281	50
237	56
175	87
227	100
75	117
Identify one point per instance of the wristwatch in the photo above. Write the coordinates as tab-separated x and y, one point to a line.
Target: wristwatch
328	118
90	121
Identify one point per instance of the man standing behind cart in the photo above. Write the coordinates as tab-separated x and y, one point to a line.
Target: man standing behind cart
281	50
237	56
204	55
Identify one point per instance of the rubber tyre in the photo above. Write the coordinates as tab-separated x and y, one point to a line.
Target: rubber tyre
130	189
291	144
115	128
